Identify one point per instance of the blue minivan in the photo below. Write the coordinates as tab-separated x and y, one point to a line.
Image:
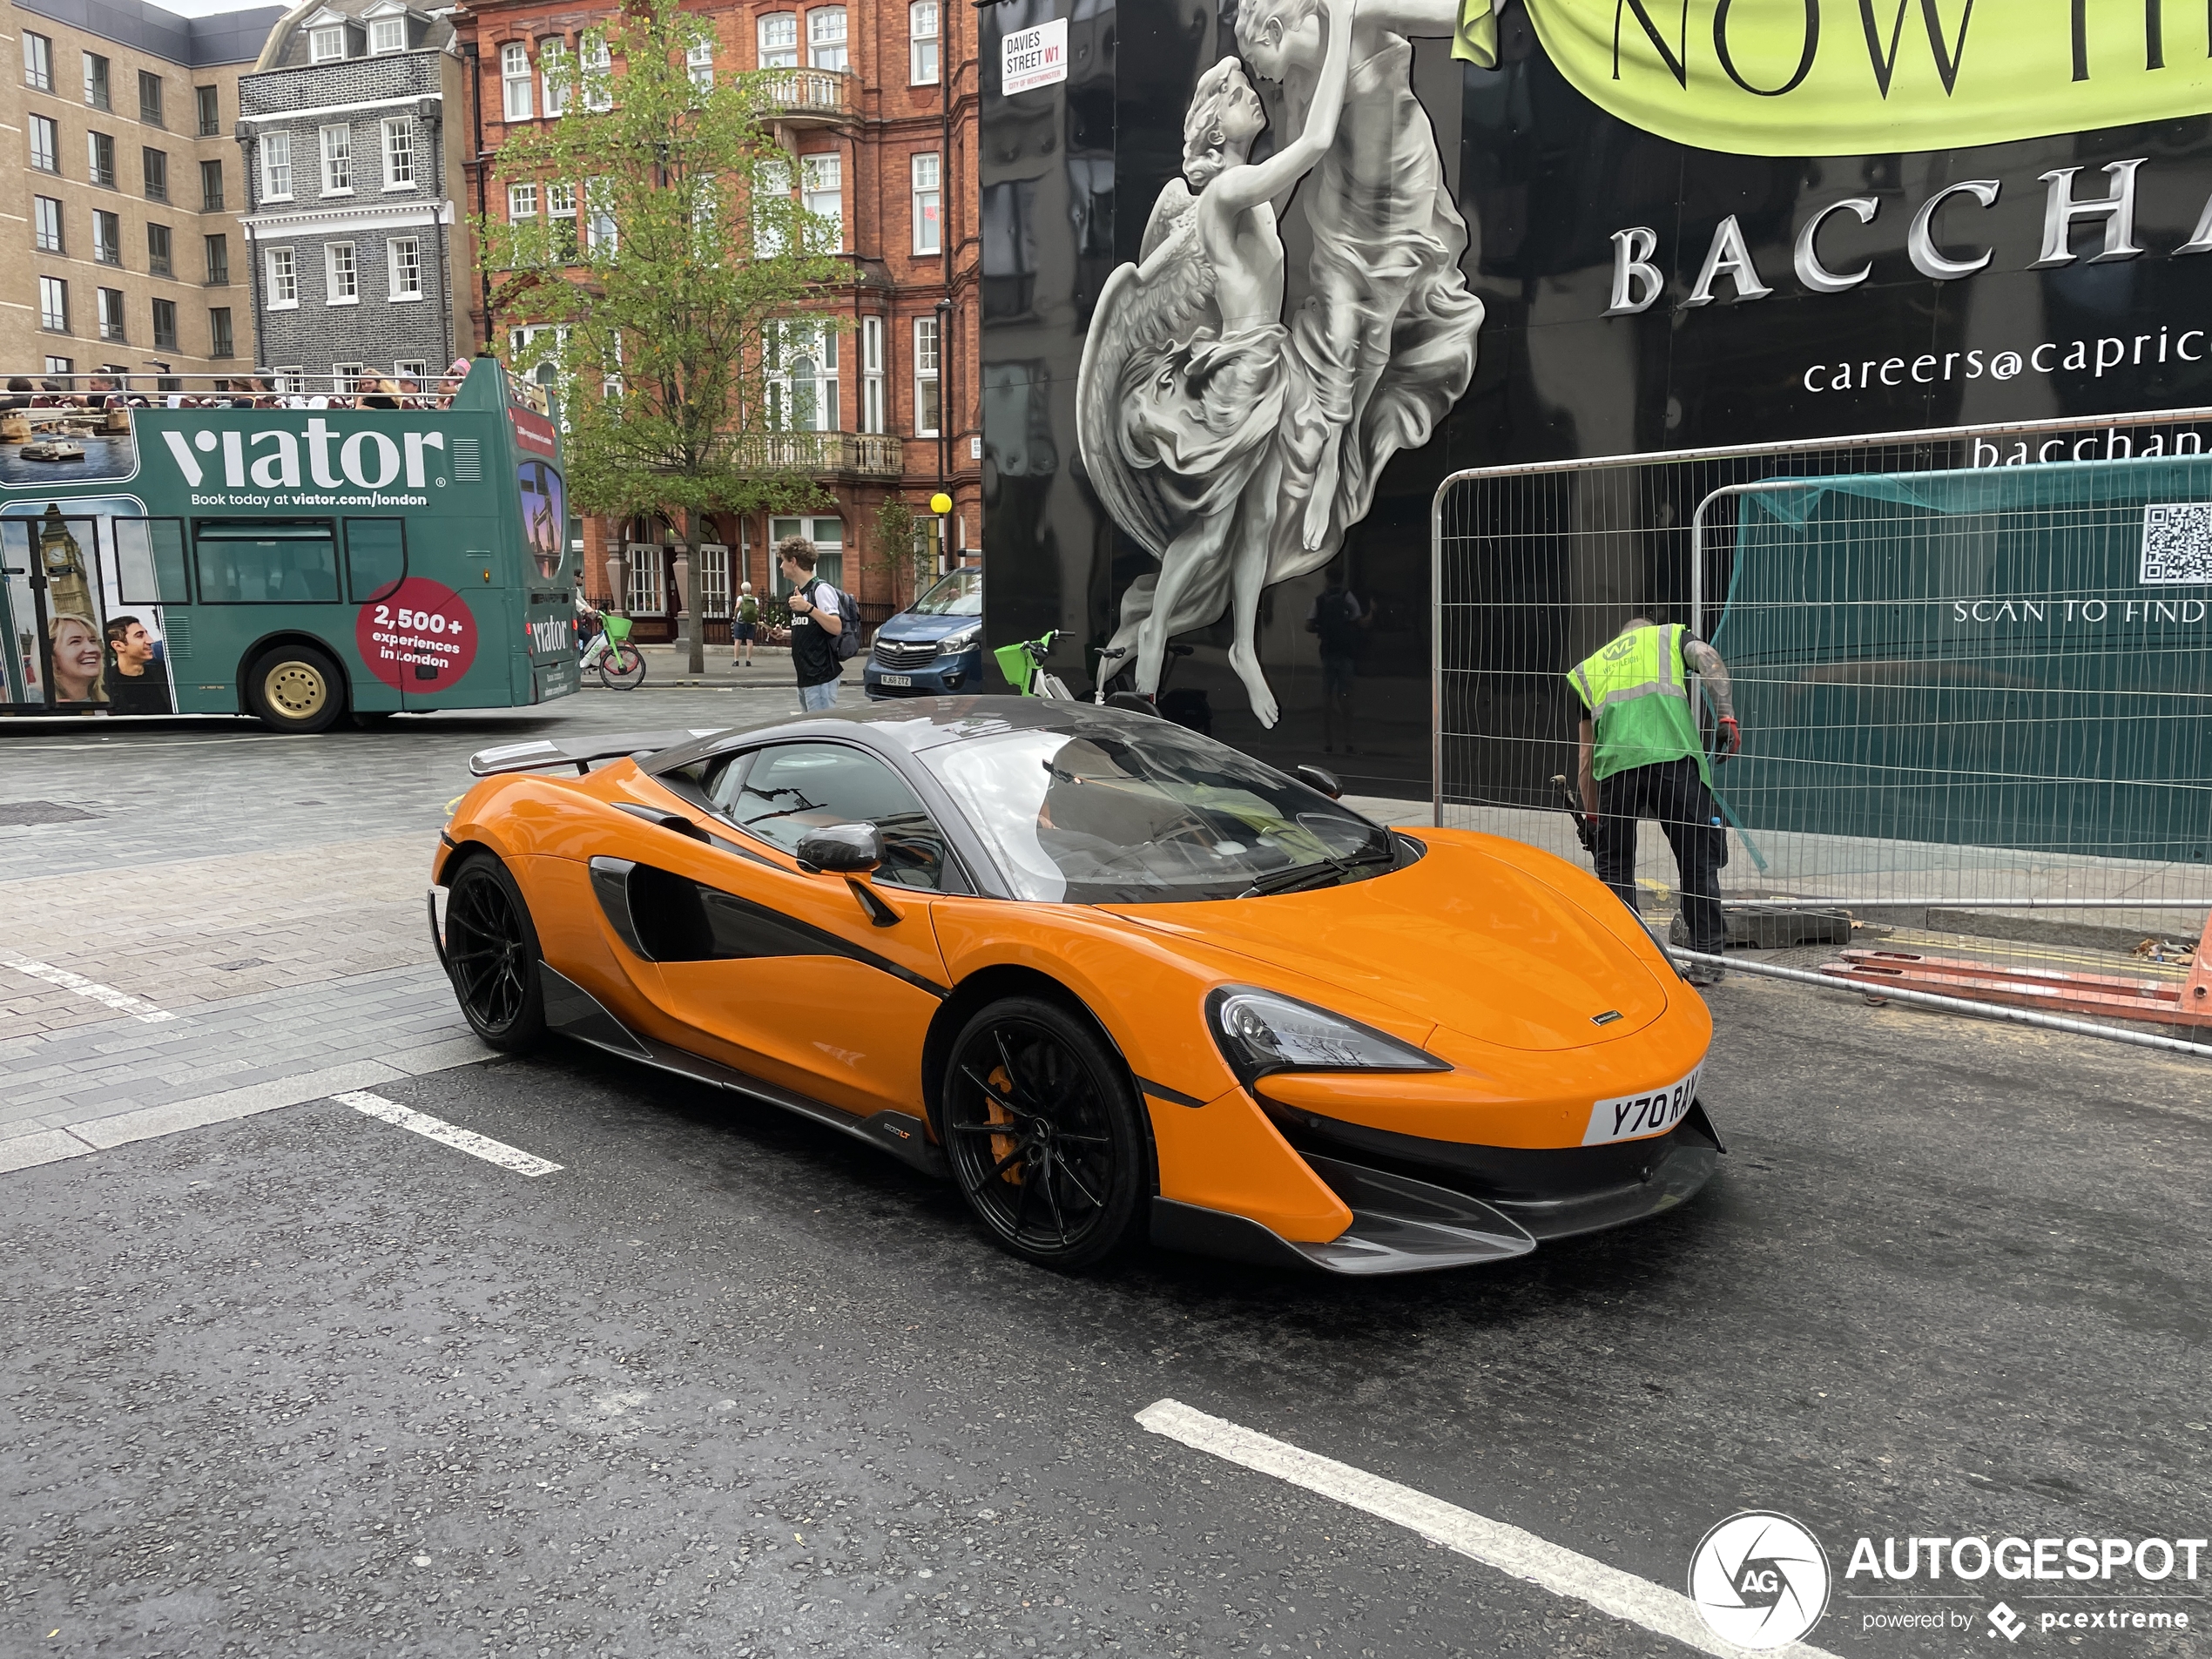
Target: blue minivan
935	645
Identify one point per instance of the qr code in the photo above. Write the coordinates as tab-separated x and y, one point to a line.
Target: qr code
2177	544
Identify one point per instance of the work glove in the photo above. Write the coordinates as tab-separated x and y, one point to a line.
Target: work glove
1731	739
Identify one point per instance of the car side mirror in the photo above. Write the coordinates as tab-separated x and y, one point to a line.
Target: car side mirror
841	849
1315	777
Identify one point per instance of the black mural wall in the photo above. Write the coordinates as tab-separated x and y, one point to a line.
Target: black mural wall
1551	186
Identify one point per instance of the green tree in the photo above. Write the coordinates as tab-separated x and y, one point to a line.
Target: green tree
670	273
898	553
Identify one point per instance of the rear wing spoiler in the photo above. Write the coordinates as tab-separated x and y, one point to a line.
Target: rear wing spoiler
578	751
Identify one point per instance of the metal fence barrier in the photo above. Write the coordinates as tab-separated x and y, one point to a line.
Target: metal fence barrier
1972	670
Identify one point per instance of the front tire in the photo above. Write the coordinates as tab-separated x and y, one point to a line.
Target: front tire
622	669
1044	1131
296	690
492	956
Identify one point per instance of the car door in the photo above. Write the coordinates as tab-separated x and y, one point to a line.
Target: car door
818	990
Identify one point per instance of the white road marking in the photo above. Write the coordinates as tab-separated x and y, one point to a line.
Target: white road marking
462	1140
1518	1554
137	1007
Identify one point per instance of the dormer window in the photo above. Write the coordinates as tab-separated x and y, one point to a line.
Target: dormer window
387	35
327	45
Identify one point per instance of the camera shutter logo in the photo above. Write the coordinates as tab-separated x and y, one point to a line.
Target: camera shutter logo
1759	1579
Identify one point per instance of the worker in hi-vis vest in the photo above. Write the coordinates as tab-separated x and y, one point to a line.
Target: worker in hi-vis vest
1640	756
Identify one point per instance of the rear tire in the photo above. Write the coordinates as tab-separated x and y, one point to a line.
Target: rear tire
492	956
296	690
1044	1130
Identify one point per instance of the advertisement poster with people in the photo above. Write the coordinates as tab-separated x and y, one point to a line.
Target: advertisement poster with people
82	606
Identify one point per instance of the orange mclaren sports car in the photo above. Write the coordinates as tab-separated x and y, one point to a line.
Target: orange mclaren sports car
1113	978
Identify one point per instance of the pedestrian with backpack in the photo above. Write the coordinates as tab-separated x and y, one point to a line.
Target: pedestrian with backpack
742	627
824	629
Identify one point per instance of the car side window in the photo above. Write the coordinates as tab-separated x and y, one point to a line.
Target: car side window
780	792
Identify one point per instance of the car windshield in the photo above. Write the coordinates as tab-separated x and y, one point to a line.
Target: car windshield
960	594
1165	817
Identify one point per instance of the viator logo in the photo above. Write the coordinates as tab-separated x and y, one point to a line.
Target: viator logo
1759	1579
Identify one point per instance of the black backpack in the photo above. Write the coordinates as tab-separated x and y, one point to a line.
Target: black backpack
848	642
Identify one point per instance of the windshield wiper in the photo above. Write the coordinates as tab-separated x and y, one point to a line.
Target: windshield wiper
1329	873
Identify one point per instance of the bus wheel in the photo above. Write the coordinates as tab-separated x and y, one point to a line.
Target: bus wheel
295	688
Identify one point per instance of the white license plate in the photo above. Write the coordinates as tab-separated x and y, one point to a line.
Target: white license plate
1630	1118
895	679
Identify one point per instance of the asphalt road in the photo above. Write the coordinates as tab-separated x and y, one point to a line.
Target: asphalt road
727	1383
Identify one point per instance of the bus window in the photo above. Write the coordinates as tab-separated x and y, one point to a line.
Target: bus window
375	557
245	563
544	516
150	560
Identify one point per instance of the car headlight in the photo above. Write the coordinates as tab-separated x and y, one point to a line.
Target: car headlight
1264	1031
952	644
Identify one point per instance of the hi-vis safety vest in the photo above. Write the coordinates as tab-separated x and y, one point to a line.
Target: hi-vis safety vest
1638	694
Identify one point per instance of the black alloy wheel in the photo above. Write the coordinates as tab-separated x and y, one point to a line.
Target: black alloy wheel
1043	1126
491	954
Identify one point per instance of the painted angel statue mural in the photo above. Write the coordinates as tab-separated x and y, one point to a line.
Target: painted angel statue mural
1237	445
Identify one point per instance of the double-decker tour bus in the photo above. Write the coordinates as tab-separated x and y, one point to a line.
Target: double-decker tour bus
234	553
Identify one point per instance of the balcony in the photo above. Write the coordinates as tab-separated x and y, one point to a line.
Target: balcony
809	97
850	455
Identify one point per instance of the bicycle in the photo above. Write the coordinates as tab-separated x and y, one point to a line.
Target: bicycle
1023	665
621	667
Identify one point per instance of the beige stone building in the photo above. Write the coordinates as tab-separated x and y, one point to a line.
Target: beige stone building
120	244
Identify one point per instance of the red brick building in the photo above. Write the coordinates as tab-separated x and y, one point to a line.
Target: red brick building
878	107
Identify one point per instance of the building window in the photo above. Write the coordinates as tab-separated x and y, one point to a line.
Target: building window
399	153
219	260
821	185
45	144
343	278
560	204
208	106
771	191
387	35
921	36
929	229
276	166
648	584
802	385
779	40
155	165
218	332
521	202
211	186
61	366
158	250
557	70
327	45
99	150
111	316
599	227
828	537
825	37
283	279
95	92
596	60
164	325
403	257
872	374
926	405
37	61
698	63
46	224
107	238
338	161
514	81
344	379
149	99
53	305
714	581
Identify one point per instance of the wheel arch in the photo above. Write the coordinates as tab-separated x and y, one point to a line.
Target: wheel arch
988	985
277	638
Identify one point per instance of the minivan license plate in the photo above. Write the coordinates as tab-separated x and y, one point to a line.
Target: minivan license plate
896	679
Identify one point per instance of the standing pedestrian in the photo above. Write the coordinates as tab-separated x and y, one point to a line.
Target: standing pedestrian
814	625
1640	755
742	627
1338	619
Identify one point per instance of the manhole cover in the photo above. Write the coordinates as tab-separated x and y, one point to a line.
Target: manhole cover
41	812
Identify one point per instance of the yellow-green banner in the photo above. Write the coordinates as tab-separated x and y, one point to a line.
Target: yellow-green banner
1826	78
